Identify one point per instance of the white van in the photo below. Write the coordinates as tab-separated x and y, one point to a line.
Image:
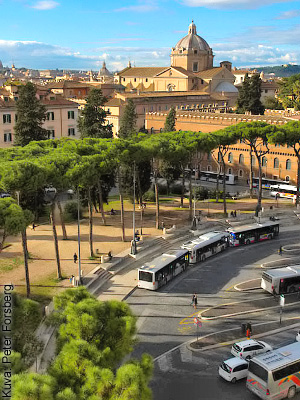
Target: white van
233	369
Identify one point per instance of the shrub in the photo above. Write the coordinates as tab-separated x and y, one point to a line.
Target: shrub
201	193
162	189
177	189
71	210
149	196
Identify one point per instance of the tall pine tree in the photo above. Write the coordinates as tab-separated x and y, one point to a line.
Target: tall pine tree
31	114
249	96
170	120
92	121
128	121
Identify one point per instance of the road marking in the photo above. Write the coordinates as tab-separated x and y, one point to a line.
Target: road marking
189	319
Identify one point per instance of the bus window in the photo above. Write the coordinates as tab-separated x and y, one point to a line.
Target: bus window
259	371
145	276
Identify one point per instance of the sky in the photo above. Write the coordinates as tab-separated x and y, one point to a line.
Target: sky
81	34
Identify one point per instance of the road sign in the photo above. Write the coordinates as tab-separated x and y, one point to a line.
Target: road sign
281	300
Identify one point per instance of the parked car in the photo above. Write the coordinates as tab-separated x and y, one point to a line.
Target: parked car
249	348
298	336
233	369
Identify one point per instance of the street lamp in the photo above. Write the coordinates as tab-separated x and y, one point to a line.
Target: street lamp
133	242
78	234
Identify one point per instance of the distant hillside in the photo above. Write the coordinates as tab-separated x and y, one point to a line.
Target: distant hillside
281	70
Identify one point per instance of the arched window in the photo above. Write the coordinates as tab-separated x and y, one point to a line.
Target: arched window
229	171
287	178
151	130
288	164
230	157
252	160
208	168
241	173
264	162
276	162
241	159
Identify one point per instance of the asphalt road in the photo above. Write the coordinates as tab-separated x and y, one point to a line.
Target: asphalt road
165	320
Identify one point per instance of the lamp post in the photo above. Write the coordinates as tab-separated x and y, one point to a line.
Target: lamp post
133	243
78	234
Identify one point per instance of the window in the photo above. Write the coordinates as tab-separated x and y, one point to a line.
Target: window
208	168
51	98
259	371
266	90
287	178
241	159
288	164
7	137
229	171
6	118
16	117
6	98
195	51
51	133
241	173
71	114
71	132
195	67
146	79
276	162
134	79
286	371
16	98
50	116
230	157
264	162
123	79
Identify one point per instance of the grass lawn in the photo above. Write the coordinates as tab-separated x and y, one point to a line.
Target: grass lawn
8	264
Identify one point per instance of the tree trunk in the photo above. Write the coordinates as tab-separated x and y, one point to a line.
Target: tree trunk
190	197
122	207
259	195
224	189
101	203
156	201
141	214
251	176
59	276
61	215
298	181
2	241
182	189
217	184
90	205
25	254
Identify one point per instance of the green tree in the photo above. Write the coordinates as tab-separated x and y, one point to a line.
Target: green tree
93	119
31	115
272	103
289	91
289	134
249	96
170	120
33	386
128	121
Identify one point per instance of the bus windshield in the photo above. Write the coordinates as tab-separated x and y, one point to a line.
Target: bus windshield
145	276
258	371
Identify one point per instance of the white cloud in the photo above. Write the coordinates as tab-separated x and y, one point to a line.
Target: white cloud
236	4
142	6
45	5
288	14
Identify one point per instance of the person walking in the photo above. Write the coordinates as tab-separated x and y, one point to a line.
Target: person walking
75	258
33	226
195	301
280	251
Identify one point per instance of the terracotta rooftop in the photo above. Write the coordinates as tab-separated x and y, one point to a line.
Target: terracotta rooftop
142	72
163	94
209	73
114	102
66	85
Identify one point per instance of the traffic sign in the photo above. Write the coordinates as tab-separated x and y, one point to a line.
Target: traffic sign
281	300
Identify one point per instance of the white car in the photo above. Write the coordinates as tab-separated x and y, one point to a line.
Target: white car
233	369
298	336
249	348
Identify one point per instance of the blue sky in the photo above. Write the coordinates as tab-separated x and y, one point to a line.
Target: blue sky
78	34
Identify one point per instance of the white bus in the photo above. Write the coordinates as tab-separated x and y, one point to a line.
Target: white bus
162	269
287	191
252	233
206	245
276	374
267	183
210	176
281	280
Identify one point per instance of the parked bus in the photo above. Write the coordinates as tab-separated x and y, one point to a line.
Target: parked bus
257	232
281	280
287	191
212	177
276	374
207	245
267	183
162	269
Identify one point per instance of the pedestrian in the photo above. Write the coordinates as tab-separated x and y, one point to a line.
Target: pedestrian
195	301
248	333
75	258
280	251
109	255
33	226
162	225
234	214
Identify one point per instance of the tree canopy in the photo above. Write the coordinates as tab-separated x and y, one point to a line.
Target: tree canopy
249	96
128	121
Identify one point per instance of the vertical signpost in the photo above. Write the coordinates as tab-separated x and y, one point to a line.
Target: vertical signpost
281	303
198	323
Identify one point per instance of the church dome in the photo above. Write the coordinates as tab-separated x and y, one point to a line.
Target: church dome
226	87
104	71
192	40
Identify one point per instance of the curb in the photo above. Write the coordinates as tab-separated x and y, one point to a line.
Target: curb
241	283
281	263
259	335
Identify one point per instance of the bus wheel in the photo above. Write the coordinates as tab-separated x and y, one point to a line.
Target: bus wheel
247	241
291	392
291	289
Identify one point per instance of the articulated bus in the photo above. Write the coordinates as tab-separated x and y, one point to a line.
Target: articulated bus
206	245
267	183
257	232
276	374
287	191
281	280
212	177
162	269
